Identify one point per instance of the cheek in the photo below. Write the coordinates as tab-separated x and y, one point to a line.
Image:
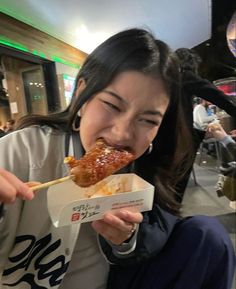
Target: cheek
88	129
145	139
91	125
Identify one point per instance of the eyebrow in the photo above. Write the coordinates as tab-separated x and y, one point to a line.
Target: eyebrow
115	95
151	112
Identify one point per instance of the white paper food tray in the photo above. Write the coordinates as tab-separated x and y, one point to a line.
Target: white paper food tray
68	203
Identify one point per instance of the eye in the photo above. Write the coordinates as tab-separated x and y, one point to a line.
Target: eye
111	105
151	122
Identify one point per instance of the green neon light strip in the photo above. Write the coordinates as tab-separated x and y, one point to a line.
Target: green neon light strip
58	59
40	54
8	42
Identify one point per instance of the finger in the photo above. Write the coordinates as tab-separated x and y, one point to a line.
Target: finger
7	191
130	217
14	187
104	229
118	223
117	226
110	233
124	220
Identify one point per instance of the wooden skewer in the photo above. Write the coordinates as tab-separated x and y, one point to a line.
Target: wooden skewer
51	183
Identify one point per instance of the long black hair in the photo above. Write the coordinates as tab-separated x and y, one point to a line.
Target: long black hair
136	50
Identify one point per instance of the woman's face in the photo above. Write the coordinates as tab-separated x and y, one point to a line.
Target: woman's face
126	114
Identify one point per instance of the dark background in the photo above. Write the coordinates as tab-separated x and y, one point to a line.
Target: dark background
217	60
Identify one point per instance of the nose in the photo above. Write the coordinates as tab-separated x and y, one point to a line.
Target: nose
123	131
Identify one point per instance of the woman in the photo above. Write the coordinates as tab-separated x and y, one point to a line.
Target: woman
127	93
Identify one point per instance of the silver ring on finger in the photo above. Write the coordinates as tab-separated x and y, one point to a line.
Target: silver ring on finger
133	229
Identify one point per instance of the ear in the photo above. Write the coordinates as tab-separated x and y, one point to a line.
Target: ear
80	86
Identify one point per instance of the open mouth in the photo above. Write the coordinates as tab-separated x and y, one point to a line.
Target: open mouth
102	141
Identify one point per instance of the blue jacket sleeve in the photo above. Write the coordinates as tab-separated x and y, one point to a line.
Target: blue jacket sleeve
152	236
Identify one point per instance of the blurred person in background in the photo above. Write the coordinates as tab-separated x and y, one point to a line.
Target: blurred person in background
193	85
232	133
202	115
226	185
9	126
2	132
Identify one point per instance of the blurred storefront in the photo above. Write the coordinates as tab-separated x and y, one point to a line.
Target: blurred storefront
37	71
